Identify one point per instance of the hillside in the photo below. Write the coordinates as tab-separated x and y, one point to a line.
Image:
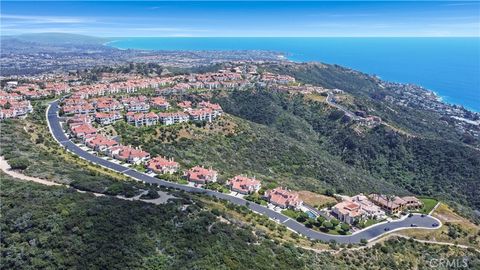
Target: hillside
60	38
421	165
55	227
300	141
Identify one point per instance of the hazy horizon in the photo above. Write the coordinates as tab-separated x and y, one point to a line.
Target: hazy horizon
243	19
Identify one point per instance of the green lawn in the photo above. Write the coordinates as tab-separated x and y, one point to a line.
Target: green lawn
333	231
371	221
428	205
290	213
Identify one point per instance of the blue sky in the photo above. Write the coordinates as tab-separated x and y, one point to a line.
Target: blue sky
242	19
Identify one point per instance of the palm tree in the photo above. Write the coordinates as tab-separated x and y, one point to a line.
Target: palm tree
390	199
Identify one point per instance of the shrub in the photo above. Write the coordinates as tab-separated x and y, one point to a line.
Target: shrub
19	163
150	195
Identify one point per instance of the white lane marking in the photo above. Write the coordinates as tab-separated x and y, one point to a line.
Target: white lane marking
286	220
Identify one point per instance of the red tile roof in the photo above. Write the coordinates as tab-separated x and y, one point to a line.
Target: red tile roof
243	183
283	197
201	175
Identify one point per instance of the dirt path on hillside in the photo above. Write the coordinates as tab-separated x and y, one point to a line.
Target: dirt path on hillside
5	167
386	237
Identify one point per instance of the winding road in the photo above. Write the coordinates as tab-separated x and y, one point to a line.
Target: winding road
368	234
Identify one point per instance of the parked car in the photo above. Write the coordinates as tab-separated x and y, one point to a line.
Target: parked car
435	224
386	229
413	225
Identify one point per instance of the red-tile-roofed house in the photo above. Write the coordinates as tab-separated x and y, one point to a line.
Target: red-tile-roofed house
160	103
82	130
107	118
163	165
173	117
243	184
7	113
185	105
142	119
201	175
201	114
128	154
395	204
283	198
100	143
79	119
213	106
348	211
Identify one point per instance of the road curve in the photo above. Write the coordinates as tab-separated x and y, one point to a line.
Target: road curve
370	233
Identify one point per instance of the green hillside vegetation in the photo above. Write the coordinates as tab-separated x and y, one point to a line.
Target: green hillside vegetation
305	144
28	146
259	150
370	97
55	227
423	166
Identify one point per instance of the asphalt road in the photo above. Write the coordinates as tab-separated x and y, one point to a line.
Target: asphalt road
368	234
340	107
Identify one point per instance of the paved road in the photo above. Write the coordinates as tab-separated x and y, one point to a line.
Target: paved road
340	107
368	234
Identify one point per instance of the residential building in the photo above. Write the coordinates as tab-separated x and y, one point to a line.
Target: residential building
79	119
128	154
283	198
162	165
201	175
185	105
201	114
412	202
243	184
142	119
216	108
395	204
348	211
82	130
107	118
78	109
100	143
107	105
173	118
371	210
136	104
160	103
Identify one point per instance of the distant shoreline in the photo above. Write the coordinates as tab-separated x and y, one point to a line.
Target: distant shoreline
450	96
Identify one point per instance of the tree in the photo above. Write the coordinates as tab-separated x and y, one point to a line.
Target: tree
320	220
327	225
329	192
150	195
302	217
335	222
310	222
18	163
345	227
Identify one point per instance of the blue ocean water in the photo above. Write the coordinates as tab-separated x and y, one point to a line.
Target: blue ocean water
448	66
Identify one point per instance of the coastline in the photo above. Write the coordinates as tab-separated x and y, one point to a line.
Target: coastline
288	56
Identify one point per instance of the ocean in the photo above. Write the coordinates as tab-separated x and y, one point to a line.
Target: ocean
448	66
